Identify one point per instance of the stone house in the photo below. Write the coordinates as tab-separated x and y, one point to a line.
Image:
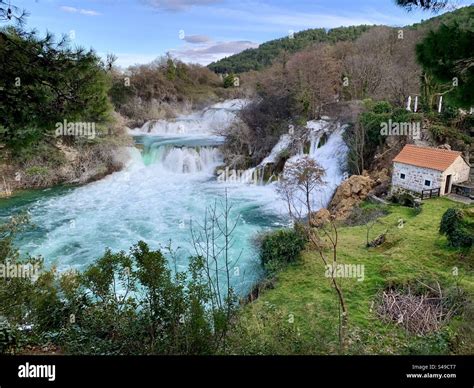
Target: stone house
418	168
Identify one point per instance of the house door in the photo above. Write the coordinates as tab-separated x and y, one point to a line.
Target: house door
448	183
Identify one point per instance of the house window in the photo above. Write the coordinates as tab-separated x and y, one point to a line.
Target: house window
402	176
427	183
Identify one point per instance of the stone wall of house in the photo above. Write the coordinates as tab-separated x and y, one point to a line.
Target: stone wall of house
460	173
415	177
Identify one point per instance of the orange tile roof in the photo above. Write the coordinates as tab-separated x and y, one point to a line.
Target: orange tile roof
434	158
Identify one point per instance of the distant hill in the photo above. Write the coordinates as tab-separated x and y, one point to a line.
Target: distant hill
262	56
258	58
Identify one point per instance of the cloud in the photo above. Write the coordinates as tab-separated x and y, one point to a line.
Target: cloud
178	5
275	18
81	11
196	38
208	53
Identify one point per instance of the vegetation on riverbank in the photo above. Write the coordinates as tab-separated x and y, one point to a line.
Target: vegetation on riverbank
300	314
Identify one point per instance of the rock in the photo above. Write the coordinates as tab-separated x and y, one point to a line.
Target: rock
378	241
349	194
320	217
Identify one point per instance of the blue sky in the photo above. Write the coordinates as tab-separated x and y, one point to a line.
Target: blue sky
199	31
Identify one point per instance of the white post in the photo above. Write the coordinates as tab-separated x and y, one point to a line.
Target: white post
409	103
416	104
440	104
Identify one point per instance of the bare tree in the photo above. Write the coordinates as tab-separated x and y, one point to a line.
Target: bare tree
315	78
325	240
381	64
297	184
212	240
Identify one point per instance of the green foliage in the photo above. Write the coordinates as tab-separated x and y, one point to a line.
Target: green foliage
44	83
368	132
281	247
458	226
124	303
266	53
229	80
8	338
141	92
170	69
446	54
380	107
36	170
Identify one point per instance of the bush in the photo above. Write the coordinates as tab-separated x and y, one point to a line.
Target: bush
229	81
458	227
281	247
7	338
406	199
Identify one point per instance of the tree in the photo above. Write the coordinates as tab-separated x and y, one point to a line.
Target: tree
324	238
9	12
299	180
446	56
212	240
434	5
315	81
229	80
44	83
380	65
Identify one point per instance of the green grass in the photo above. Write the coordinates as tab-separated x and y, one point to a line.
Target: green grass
414	252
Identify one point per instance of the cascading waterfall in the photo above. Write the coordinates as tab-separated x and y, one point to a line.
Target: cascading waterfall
167	184
204	123
331	156
185	160
326	147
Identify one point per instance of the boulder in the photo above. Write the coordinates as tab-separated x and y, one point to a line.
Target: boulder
320	217
350	193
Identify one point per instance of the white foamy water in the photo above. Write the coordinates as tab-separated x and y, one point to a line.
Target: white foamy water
207	122
165	187
331	156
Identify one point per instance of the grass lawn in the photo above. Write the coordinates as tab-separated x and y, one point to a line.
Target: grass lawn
301	314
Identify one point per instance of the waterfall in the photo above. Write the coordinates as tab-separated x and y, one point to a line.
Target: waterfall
207	122
332	157
326	147
183	160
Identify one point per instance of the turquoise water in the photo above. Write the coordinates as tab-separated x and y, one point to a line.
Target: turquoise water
167	186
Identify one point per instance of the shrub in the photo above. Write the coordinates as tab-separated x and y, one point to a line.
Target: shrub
281	247
458	227
407	199
7	338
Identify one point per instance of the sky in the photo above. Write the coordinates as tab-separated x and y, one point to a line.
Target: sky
199	31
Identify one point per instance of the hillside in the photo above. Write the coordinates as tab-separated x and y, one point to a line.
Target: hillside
300	314
262	56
